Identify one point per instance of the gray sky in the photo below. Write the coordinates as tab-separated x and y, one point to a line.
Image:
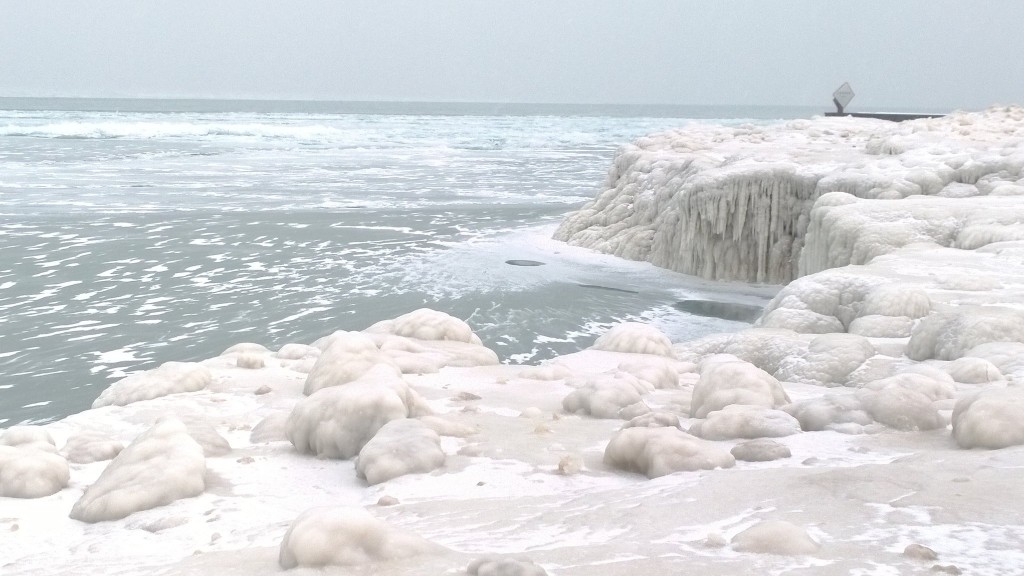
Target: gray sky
904	54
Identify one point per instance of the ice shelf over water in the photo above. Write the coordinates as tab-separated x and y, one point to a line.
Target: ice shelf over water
871	422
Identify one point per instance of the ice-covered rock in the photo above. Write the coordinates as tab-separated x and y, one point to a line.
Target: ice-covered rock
427	324
831	411
605	395
760	450
162	465
30	470
488	566
18	435
656	452
775	537
400	447
635	338
828	360
906	401
990	418
949	335
969	370
89	447
734	382
346	536
739	421
346	357
654	419
336	422
168	378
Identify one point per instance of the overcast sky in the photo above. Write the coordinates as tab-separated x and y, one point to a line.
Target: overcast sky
919	54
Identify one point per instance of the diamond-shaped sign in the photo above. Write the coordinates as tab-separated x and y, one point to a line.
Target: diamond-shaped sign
844	94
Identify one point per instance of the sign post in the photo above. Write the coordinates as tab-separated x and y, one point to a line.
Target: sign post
842	96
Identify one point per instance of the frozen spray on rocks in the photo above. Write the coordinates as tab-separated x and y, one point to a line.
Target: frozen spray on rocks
879	387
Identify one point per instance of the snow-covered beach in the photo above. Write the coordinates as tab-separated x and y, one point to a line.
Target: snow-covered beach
869	423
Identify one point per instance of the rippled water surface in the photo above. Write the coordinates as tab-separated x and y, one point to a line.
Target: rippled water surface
131	239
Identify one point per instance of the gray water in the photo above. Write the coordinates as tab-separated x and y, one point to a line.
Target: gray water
133	238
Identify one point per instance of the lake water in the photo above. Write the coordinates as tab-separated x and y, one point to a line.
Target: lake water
138	232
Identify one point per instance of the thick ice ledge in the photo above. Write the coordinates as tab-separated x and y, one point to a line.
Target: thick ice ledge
736	203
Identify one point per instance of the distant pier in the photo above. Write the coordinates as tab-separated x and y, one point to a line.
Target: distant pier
890	116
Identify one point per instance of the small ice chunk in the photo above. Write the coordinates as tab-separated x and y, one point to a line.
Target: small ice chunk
775	537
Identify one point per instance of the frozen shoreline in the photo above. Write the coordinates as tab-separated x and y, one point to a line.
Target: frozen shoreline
872	362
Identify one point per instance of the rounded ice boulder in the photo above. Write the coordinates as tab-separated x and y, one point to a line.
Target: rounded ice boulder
427	324
504	567
162	465
775	537
346	536
336	422
656	452
990	418
400	447
635	338
29	470
723	383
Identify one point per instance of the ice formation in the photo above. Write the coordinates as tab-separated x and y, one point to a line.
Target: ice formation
400	447
162	465
168	378
728	381
336	422
656	452
775	537
345	536
29	464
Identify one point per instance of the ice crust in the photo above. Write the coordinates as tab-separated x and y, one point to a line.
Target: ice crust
880	386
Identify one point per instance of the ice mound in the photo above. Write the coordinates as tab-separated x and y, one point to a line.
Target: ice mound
949	335
162	465
400	447
31	469
19	435
739	421
969	370
336	422
656	452
727	382
414	356
427	324
168	378
635	338
654	419
656	372
990	418
346	357
828	360
760	450
91	447
906	401
775	537
842	412
344	536
504	567
605	395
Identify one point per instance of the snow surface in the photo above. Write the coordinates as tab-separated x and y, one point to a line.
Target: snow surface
887	371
